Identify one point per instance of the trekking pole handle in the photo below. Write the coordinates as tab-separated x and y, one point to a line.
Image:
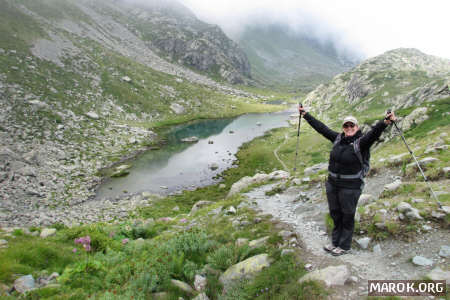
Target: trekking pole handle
387	113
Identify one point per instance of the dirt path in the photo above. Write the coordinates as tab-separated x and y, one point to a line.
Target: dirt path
275	152
307	218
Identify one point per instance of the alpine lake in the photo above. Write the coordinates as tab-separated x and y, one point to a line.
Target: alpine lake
186	163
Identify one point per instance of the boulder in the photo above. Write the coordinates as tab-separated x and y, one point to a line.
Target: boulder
245	269
409	211
393	186
331	276
422	261
277	175
246	181
24	284
316	168
46	232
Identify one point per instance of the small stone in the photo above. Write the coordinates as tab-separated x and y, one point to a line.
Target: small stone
309	267
93	115
24	284
222	186
231	211
352	280
364	242
445	251
200	283
3	243
422	261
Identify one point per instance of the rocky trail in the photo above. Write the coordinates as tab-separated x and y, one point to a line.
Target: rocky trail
302	210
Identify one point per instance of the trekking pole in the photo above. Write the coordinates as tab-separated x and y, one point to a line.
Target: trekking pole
417	162
298	136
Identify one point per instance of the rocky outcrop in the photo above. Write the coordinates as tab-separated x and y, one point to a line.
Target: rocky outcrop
175	33
399	78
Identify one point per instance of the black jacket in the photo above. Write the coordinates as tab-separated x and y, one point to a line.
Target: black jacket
343	159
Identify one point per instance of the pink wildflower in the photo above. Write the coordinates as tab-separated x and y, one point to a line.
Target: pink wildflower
74	250
125	241
183	220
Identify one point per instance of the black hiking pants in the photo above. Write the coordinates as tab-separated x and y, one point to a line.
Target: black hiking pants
342	204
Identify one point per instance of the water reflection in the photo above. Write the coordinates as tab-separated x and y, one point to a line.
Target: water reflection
178	166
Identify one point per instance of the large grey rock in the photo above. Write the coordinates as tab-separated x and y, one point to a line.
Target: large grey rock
245	269
422	261
46	232
397	158
24	284
438	274
445	251
331	276
316	168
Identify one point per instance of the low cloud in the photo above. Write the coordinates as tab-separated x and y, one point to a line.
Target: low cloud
361	27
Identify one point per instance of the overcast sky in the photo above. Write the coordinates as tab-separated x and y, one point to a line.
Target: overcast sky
367	27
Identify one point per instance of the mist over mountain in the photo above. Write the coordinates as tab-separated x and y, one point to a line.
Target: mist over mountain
280	56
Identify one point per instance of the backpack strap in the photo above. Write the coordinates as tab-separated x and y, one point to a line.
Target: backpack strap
357	149
338	139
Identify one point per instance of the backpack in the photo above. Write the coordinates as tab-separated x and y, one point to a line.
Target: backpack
364	157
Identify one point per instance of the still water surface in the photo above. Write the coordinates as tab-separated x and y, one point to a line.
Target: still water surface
180	166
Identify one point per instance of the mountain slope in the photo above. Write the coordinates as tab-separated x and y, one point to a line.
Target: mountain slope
79	91
400	78
280	57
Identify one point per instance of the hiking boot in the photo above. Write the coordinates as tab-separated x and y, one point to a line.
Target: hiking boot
329	247
339	251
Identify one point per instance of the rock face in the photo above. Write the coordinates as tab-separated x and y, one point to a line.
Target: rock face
179	35
246	181
245	269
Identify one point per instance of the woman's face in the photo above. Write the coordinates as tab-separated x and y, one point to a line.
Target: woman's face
350	129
